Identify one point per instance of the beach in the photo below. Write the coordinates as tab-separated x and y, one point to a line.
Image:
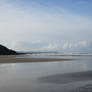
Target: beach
40	58
44	73
14	59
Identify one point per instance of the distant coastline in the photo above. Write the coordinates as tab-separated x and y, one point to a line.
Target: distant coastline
5	51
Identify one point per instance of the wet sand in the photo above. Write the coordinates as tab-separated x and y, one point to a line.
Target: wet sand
67	77
45	77
14	59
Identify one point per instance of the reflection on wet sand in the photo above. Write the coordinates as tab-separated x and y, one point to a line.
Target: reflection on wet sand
67	78
86	88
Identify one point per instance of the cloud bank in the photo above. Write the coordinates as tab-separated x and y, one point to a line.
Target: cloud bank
75	47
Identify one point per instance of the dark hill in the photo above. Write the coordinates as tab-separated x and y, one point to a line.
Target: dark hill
5	51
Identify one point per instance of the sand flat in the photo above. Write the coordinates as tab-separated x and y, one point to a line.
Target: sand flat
67	77
14	59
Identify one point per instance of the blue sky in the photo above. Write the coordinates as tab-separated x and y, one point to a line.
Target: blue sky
46	25
76	6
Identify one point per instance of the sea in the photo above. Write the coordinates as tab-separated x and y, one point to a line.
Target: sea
59	76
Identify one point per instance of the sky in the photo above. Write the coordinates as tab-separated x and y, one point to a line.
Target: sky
46	25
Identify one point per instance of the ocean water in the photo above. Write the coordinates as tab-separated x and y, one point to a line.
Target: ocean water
66	76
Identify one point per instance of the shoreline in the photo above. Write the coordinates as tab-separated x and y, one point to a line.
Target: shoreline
13	59
72	55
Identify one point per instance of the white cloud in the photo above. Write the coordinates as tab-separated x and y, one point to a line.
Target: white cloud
67	45
13	45
79	46
33	46
84	43
50	47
